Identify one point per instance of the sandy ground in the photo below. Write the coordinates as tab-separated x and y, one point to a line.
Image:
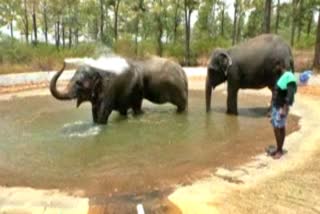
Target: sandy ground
288	185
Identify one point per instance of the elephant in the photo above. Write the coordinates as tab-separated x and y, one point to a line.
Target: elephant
254	64
164	81
121	84
113	89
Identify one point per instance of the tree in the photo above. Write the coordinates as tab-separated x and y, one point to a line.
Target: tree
189	6
240	24
293	21
26	21
159	16
278	16
223	5
8	13
102	12
267	16
176	19
300	20
116	5
44	11
34	21
316	62
235	22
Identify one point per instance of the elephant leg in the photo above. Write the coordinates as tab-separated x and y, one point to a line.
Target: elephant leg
136	107
94	110
182	107
181	104
103	112
270	105
232	100
123	112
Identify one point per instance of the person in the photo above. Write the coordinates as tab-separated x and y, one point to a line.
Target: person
283	98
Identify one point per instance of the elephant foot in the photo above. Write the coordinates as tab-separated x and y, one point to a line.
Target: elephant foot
138	112
124	113
232	112
181	110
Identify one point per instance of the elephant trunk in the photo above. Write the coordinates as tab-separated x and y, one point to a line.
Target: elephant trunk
53	86
208	92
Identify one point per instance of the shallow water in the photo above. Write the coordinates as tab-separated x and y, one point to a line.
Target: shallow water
45	143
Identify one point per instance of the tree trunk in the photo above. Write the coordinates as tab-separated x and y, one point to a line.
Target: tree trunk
101	21
58	34
70	37
240	20
116	10
300	23
213	25
26	21
222	19
267	16
278	16
159	36
176	22
187	15
45	20
310	20
316	63
76	34
293	22
239	27
11	29
234	33
63	35
136	35
34	24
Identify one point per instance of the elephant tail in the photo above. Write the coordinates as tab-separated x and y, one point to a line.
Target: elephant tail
291	60
185	78
292	65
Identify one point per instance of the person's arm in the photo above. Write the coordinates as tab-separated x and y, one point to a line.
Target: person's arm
291	90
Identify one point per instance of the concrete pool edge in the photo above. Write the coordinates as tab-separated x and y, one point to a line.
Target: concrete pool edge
205	195
29	200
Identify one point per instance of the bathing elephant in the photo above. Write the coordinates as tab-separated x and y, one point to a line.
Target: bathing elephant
253	64
120	84
118	88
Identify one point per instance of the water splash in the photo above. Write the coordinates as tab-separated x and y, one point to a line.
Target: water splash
113	64
80	129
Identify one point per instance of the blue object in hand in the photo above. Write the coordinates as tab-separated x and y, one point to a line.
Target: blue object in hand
305	76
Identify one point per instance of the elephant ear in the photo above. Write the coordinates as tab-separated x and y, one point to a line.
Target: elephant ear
225	61
220	61
96	84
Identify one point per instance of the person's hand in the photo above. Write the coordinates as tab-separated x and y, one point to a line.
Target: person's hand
284	111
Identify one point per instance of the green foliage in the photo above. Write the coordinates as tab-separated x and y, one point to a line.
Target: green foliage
176	51
205	46
41	57
306	42
144	27
254	25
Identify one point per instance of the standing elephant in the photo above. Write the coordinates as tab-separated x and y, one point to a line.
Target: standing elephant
119	84
164	81
253	64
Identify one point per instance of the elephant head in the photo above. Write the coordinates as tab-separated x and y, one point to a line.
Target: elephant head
218	66
82	85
